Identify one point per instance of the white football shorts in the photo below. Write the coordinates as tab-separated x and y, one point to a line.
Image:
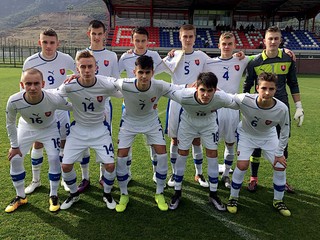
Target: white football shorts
97	137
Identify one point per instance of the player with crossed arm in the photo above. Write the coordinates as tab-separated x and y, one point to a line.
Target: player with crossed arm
199	118
261	113
37	122
229	71
88	94
140	40
141	95
107	65
54	66
273	60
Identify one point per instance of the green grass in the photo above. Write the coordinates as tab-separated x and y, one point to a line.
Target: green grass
195	218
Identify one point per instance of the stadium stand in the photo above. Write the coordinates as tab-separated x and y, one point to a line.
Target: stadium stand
168	37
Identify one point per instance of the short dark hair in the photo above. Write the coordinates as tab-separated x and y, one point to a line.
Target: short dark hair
269	77
145	62
274	29
208	79
49	32
140	30
96	24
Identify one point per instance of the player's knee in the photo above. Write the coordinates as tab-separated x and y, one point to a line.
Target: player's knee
211	153
160	149
123	152
183	152
37	145
174	141
243	165
109	167
281	169
67	167
196	142
229	144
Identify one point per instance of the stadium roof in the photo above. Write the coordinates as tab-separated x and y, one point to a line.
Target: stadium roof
300	9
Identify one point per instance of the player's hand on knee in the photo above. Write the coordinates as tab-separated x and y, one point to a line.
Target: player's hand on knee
299	114
282	160
13	152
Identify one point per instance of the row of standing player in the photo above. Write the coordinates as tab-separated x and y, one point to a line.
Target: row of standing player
197	58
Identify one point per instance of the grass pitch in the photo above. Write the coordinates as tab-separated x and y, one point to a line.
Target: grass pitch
195	218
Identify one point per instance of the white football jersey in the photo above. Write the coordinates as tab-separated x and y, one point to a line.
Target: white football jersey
141	106
54	71
107	62
127	62
195	111
189	67
261	123
228	72
33	116
88	102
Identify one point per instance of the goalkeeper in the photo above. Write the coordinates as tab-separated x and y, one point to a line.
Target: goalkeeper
274	60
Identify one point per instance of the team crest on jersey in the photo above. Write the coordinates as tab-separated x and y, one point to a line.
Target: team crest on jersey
155	106
48	114
238	153
237	67
283	67
197	62
153	99
106	63
62	71
268	122
99	98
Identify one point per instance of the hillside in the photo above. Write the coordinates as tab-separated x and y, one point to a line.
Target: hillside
24	19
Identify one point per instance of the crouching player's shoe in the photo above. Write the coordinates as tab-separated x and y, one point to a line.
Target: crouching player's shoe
15	203
281	207
122	205
108	199
54	203
74	197
226	181
201	180
232	205
84	185
216	201
171	181
162	205
253	184
32	186
175	200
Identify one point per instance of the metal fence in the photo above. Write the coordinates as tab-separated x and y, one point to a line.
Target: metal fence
15	55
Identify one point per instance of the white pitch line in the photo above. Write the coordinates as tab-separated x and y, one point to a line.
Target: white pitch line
296	198
237	228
